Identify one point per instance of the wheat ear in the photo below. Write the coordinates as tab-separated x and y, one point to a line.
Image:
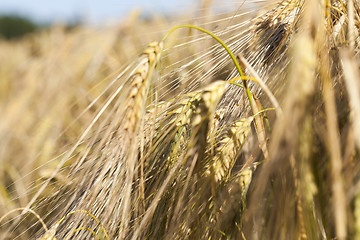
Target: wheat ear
135	108
228	149
196	162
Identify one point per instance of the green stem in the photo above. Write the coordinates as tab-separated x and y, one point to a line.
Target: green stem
237	84
263	111
227	50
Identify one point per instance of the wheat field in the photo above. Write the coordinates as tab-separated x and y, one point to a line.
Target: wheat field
234	125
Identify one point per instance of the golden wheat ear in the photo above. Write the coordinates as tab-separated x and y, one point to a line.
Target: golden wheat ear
228	148
139	86
134	112
200	123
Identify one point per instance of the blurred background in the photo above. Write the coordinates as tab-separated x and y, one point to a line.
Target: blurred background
94	12
20	16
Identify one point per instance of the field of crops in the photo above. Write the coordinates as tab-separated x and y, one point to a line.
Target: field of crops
233	125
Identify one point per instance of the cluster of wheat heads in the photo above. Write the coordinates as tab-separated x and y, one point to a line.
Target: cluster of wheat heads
172	152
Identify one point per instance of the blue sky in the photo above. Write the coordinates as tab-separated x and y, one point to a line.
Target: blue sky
93	11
